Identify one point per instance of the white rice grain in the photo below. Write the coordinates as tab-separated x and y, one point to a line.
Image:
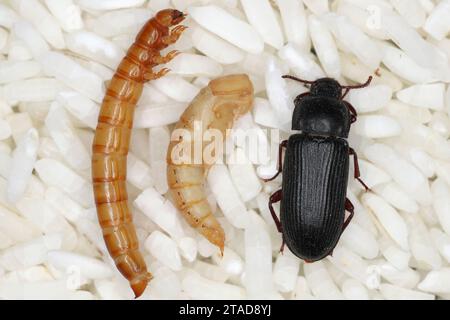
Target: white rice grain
94	47
437	24
35	12
26	32
66	139
216	48
392	222
258	259
67	13
73	75
201	288
88	267
320	281
285	271
244	176
404	173
119	22
56	174
370	99
295	23
159	139
411	42
224	24
13	71
188	64
436	281
30	253
5	130
103	5
353	290
164	249
31	90
23	160
261	16
425	96
441	203
376	126
7	16
404	66
228	199
354	39
391	292
325	47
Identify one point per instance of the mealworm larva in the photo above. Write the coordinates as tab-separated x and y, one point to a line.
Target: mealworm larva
217	106
112	139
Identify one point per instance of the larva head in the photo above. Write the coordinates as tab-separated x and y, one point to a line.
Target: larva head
169	17
236	88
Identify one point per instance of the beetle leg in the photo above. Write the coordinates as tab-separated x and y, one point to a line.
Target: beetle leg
352	110
282	145
350	208
282	245
276	197
356	165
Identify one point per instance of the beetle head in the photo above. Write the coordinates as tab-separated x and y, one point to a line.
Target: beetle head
326	87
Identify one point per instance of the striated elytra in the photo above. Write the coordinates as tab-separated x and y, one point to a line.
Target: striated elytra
315	170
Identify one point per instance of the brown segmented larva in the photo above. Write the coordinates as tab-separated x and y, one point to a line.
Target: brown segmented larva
217	106
112	139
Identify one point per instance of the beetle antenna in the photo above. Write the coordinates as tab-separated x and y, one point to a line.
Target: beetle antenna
297	79
358	86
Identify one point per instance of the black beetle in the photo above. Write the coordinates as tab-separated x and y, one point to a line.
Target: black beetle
315	170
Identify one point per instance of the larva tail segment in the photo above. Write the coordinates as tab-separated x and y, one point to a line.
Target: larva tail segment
112	139
139	284
226	98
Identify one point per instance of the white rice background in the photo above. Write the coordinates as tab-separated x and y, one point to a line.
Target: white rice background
55	57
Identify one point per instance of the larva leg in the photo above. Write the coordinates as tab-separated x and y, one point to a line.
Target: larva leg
149	76
167	58
174	35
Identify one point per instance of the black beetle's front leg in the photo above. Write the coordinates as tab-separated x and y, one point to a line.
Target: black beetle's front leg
352	110
282	145
274	198
356	165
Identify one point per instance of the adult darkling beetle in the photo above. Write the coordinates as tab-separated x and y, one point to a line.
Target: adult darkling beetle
315	170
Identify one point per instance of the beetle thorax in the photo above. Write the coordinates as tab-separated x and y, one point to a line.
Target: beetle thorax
321	115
